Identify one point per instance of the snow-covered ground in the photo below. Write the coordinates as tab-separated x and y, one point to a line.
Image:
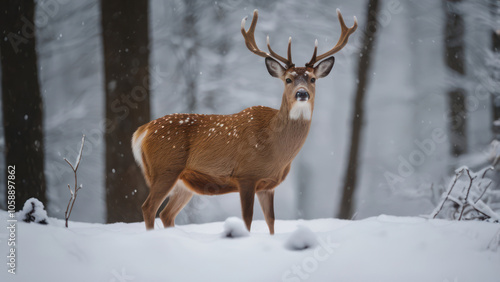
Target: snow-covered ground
383	248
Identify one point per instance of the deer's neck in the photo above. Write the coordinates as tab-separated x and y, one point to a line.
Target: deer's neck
290	130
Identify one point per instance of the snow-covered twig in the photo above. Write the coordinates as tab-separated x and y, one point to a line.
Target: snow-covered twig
471	178
484	191
74	192
463	199
450	188
483	208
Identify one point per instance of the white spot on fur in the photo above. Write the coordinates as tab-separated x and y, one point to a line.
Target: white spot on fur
301	109
137	148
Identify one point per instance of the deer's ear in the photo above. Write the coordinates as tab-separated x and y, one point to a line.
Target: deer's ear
324	68
274	68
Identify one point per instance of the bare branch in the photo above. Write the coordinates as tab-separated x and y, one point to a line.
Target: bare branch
467	195
482	194
79	158
481	207
438	209
486	170
74	191
69	164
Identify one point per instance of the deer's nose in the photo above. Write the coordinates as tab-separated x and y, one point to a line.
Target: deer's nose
302	95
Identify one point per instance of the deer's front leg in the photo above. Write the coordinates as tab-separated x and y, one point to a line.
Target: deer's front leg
266	199
247	195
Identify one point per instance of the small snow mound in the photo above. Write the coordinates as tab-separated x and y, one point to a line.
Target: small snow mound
301	239
33	211
234	228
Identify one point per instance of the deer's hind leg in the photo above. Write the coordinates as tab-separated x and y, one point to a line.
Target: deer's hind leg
179	197
159	190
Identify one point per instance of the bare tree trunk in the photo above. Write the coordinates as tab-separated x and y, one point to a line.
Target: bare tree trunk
495	93
189	65
126	61
495	69
455	61
351	173
22	104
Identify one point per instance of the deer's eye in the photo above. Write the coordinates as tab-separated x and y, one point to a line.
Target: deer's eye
288	80
313	80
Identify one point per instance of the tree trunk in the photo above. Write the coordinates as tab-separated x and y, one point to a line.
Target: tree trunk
126	62
495	69
495	93
455	61
189	66
22	104
351	174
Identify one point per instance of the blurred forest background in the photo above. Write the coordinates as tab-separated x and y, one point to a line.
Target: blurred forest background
413	96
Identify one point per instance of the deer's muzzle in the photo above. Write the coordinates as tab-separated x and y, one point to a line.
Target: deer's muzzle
302	95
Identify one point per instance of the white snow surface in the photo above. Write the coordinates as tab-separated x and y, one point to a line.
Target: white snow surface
235	228
383	248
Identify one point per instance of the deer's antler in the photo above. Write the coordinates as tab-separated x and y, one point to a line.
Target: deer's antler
252	46
344	36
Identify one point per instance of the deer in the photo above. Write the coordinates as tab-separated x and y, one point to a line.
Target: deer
249	152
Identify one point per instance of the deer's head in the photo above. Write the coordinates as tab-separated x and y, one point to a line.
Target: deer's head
299	82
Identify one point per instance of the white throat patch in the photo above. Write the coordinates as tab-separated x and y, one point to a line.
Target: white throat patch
301	109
